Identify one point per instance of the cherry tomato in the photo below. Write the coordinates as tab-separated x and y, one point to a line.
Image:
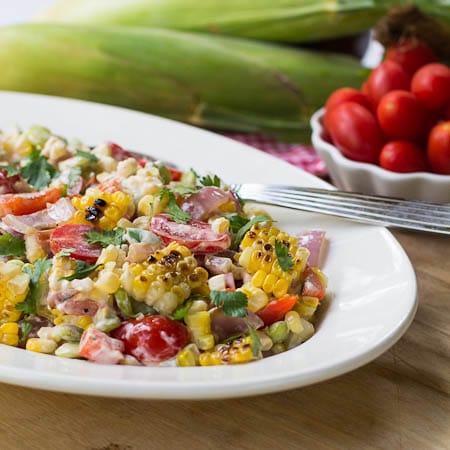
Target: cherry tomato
341	96
152	339
365	89
438	149
355	132
111	185
447	112
388	76
277	309
73	236
312	286
175	174
411	55
21	204
431	86
98	347
117	152
403	156
197	236
402	117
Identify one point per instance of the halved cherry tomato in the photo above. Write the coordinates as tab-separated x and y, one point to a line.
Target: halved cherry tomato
117	152
402	117
21	204
447	112
438	149
74	236
355	132
277	309
197	236
431	86
175	174
388	76
98	347
411	55
152	339
312	286
403	156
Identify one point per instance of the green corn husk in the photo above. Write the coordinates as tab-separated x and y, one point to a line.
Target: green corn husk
209	81
273	20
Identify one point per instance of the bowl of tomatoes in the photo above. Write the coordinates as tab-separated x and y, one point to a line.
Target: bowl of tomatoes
392	136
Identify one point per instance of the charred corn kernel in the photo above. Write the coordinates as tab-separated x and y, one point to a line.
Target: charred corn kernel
166	279
68	350
236	352
258	257
278	348
220	225
41	345
199	325
9	334
256	297
266	342
295	339
14	286
188	356
102	209
306	306
293	321
278	331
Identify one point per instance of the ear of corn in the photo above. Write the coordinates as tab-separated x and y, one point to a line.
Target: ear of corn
209	81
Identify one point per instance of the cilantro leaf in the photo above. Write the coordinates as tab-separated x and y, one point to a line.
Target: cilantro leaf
233	303
283	257
10	170
37	170
86	155
183	190
106	237
11	245
241	232
256	342
181	312
25	329
237	222
30	304
175	212
164	173
82	270
208	181
135	234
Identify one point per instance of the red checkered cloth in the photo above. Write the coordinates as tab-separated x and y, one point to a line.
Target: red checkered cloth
303	156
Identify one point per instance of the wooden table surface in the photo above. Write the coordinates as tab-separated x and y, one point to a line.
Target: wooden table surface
399	401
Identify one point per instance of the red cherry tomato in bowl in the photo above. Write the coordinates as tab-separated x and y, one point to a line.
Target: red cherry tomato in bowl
411	55
196	235
73	236
388	76
438	148
402	117
355	132
431	86
404	157
152	339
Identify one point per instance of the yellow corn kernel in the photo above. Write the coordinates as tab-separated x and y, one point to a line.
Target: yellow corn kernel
41	345
188	356
107	282
220	225
9	333
306	306
258	278
83	322
199	325
237	352
280	288
145	206
256	297
292	319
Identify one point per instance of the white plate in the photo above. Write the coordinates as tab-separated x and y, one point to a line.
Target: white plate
372	284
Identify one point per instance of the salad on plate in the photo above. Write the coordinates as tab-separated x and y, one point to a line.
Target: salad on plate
112	257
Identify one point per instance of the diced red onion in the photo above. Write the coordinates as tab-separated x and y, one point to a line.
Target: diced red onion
218	264
205	203
314	241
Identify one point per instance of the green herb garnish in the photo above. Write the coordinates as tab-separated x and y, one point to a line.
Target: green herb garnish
86	155
106	237
82	270
164	173
284	259
10	170
183	190
175	212
25	329
11	245
256	342
232	303
207	180
37	171
241	232
29	305
180	313
237	222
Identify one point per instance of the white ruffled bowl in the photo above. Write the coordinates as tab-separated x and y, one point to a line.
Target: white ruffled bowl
367	178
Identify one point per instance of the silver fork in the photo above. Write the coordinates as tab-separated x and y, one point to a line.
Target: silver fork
431	217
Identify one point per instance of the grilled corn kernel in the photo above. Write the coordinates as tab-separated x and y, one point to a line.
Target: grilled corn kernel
166	279
9	333
199	325
259	258
293	321
236	352
41	345
188	356
256	297
14	286
102	209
